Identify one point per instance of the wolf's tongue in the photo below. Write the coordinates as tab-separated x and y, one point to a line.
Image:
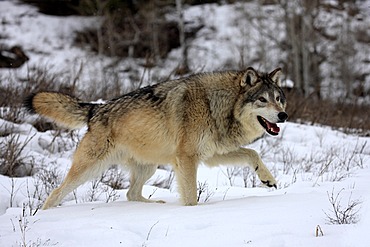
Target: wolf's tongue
273	127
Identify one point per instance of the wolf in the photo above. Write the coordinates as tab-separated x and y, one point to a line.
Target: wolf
203	118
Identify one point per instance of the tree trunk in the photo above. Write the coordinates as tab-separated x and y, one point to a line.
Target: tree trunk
184	66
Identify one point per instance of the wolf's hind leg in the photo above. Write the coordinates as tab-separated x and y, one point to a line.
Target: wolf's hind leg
87	164
139	175
69	184
243	157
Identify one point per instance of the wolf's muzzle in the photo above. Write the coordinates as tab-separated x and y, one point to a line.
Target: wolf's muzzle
282	117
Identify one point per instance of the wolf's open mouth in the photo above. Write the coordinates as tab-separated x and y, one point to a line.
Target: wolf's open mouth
271	128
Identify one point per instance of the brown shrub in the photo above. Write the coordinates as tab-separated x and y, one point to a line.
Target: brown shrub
351	117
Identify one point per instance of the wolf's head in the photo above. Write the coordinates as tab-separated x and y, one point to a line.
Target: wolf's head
263	101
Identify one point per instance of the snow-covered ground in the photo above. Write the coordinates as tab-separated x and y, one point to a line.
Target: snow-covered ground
310	162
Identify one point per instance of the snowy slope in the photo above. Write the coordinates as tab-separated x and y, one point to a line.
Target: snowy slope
232	216
47	40
309	163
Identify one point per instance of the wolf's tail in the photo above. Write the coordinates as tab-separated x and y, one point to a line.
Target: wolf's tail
61	108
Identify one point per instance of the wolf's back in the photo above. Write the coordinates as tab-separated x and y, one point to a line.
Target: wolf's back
61	108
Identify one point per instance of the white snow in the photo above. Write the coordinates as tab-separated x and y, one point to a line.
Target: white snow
234	216
308	161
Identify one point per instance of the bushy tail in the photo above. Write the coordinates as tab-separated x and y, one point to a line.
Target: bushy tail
61	108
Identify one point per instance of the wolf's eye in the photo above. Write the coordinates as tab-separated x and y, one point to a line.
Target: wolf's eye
277	98
262	99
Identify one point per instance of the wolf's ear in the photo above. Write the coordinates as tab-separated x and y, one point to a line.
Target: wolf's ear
250	78
275	76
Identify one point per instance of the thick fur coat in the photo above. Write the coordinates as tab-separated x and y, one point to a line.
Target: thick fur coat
204	118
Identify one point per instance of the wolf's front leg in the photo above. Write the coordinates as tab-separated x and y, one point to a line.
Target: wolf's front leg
243	157
259	167
186	175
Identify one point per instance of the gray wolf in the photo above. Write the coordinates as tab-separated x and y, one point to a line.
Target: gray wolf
204	118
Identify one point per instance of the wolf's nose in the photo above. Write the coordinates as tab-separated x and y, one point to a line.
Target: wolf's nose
282	116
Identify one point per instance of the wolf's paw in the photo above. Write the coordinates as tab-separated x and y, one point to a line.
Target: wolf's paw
270	183
266	177
190	204
139	198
